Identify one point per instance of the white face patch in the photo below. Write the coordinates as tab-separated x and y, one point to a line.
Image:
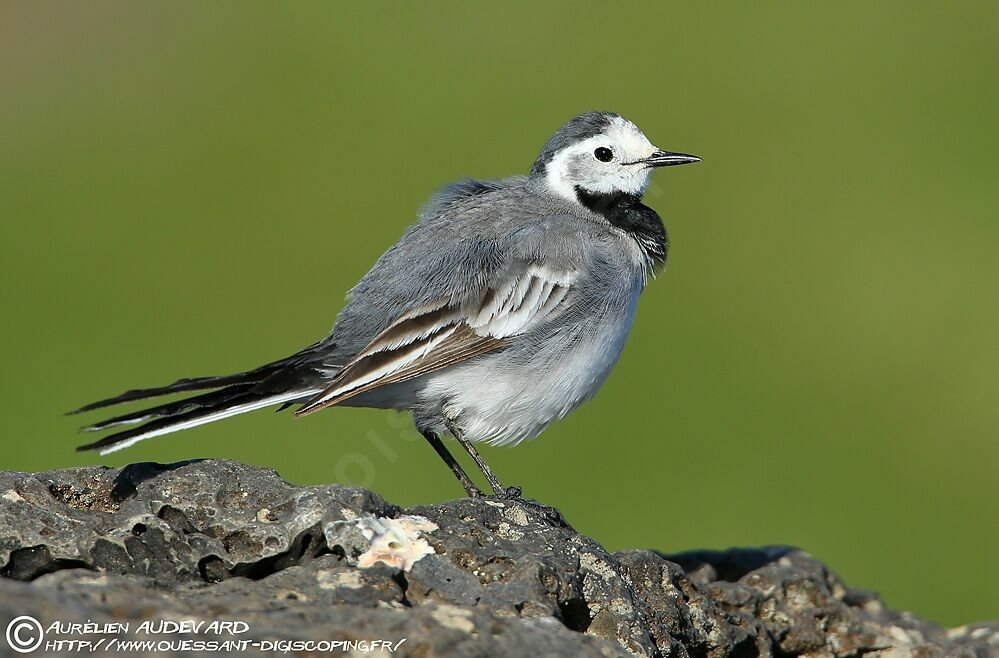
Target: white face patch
577	166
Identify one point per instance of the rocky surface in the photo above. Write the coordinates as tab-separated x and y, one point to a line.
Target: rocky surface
203	541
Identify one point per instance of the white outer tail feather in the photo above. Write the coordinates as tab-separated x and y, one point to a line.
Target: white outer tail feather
210	418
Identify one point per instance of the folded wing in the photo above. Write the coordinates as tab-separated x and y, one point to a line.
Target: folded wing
444	333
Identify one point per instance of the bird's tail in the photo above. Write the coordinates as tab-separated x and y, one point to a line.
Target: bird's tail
282	382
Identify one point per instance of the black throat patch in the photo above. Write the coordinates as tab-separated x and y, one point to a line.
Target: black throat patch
628	213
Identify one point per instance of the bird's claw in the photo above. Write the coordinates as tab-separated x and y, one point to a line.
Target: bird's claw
512	493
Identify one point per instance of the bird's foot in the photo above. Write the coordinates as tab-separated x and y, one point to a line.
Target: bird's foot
511	493
547	512
475	492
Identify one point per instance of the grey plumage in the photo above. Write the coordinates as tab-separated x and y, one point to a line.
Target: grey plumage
584	126
502	309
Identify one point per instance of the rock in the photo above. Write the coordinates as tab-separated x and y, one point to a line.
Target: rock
203	541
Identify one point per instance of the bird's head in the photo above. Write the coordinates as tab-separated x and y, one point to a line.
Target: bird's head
601	154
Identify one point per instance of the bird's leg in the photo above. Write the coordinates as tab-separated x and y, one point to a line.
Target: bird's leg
466	482
511	493
498	489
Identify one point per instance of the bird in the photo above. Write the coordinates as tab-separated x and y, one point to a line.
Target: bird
499	311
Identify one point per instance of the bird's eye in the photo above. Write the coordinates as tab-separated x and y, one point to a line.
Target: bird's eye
603	154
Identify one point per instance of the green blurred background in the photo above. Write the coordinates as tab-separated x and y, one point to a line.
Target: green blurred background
189	189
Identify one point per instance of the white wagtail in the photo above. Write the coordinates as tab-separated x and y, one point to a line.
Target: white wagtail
501	310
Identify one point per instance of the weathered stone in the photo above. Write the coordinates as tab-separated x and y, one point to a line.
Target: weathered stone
217	540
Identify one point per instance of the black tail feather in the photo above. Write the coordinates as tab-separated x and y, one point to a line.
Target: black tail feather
213	399
283	381
165	423
254	376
